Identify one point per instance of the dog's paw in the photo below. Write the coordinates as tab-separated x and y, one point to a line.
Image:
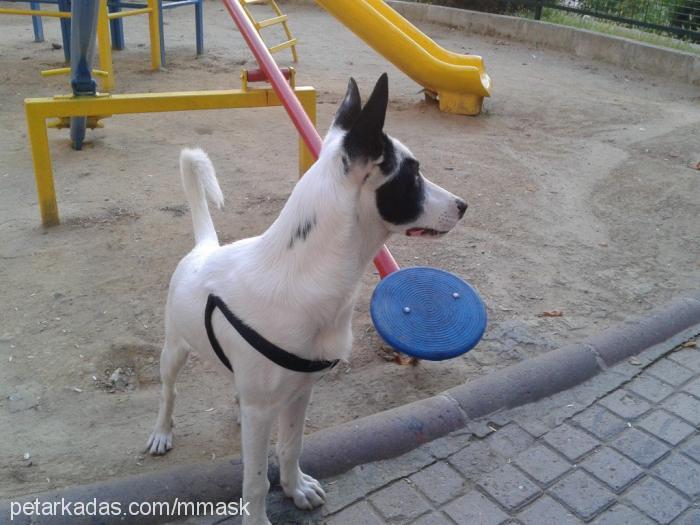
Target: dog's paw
307	494
159	443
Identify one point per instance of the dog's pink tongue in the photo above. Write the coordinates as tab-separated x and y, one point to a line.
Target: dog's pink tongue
415	232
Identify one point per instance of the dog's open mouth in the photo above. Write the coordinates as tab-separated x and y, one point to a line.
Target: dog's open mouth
424	232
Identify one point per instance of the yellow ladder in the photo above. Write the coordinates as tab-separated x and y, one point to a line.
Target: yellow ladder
279	18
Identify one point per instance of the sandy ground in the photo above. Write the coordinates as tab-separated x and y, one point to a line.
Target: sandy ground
582	199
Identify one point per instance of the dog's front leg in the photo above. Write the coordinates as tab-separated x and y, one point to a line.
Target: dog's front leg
305	490
256	424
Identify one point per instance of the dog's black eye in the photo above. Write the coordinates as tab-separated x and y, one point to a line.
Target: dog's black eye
400	200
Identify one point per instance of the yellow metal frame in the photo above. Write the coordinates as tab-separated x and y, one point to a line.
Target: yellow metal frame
30	12
104	46
38	110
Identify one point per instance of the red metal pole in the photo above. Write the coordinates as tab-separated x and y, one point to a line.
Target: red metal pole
384	261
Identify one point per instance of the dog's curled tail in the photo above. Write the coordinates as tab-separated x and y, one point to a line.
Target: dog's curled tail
199	182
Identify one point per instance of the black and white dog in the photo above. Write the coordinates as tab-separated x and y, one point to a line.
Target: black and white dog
277	308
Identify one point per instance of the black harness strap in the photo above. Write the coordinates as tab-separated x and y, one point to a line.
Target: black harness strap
273	352
211	306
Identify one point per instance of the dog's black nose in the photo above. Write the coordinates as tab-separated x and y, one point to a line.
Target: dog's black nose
462	207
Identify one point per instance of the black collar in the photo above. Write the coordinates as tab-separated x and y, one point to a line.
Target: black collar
273	352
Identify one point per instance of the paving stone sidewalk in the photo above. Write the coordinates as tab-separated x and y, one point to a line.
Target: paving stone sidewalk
620	449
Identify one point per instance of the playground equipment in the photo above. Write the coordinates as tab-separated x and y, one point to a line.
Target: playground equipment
81	65
36	13
278	19
38	110
118	30
84	17
459	82
87	103
109	21
115	15
106	71
423	312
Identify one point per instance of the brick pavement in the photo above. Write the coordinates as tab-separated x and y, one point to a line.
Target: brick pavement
620	449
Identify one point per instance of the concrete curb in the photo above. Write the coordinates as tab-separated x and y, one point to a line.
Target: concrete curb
616	50
560	369
389	434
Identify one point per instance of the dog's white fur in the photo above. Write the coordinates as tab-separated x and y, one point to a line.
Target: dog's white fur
299	296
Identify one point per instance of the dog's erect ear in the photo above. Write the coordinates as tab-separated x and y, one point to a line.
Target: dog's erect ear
374	112
350	107
365	139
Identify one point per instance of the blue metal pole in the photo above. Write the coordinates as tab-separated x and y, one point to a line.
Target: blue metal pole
83	32
117	27
64	5
36	23
199	26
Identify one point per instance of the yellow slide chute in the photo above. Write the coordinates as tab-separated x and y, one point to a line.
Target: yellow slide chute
460	82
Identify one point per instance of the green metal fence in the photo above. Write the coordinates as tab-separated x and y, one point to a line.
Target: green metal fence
678	17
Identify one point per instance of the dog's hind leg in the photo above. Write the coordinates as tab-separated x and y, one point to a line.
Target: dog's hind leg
305	490
172	359
256	424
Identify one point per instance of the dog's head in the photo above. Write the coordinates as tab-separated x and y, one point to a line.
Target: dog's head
386	170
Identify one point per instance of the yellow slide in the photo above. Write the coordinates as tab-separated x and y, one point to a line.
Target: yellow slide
459	81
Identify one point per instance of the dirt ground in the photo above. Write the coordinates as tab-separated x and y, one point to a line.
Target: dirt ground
582	199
